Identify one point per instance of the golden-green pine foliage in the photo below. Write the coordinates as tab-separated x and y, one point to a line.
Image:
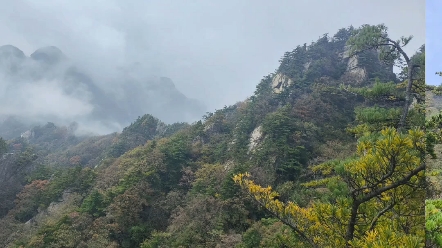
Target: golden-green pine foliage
383	203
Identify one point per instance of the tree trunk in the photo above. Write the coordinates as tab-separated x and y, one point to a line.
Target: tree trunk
408	97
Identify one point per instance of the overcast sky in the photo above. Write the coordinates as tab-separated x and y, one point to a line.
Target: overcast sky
214	51
433	58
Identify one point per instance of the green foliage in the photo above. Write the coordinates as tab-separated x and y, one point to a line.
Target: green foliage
433	212
197	223
158	185
377	115
74	179
368	37
138	165
228	188
177	155
3	146
94	204
143	129
209	180
137	234
437	90
374	119
174	128
372	42
244	127
176	150
28	200
55	234
268	233
278	125
278	128
433	133
41	172
388	171
433	207
305	63
26	157
157	240
419	86
292	64
50	231
251	238
380	91
295	192
264	88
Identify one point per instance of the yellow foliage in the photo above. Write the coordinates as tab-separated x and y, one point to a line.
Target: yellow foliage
385	188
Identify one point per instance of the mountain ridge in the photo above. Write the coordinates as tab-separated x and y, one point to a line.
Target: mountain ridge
48	69
155	185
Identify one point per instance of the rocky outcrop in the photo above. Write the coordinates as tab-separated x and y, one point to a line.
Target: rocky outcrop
307	66
354	71
255	138
280	82
28	134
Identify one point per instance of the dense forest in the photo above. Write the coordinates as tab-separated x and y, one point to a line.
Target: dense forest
329	151
433	208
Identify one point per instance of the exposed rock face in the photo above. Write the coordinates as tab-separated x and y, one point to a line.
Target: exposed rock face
255	138
280	82
306	66
357	73
229	165
28	134
434	103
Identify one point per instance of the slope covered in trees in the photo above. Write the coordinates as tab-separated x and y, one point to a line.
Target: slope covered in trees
317	157
433	207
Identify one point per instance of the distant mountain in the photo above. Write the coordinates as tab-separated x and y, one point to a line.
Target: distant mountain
47	77
310	132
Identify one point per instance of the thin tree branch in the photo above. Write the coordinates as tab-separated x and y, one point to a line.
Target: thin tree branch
357	202
382	212
294	227
398	183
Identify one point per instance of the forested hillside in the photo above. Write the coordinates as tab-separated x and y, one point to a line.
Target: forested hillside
329	151
433	209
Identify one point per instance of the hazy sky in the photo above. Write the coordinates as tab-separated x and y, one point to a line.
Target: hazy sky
214	51
433	58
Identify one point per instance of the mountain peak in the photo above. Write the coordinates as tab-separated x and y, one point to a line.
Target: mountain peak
10	51
49	54
167	82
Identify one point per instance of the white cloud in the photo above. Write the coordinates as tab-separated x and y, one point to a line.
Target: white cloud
42	98
227	46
